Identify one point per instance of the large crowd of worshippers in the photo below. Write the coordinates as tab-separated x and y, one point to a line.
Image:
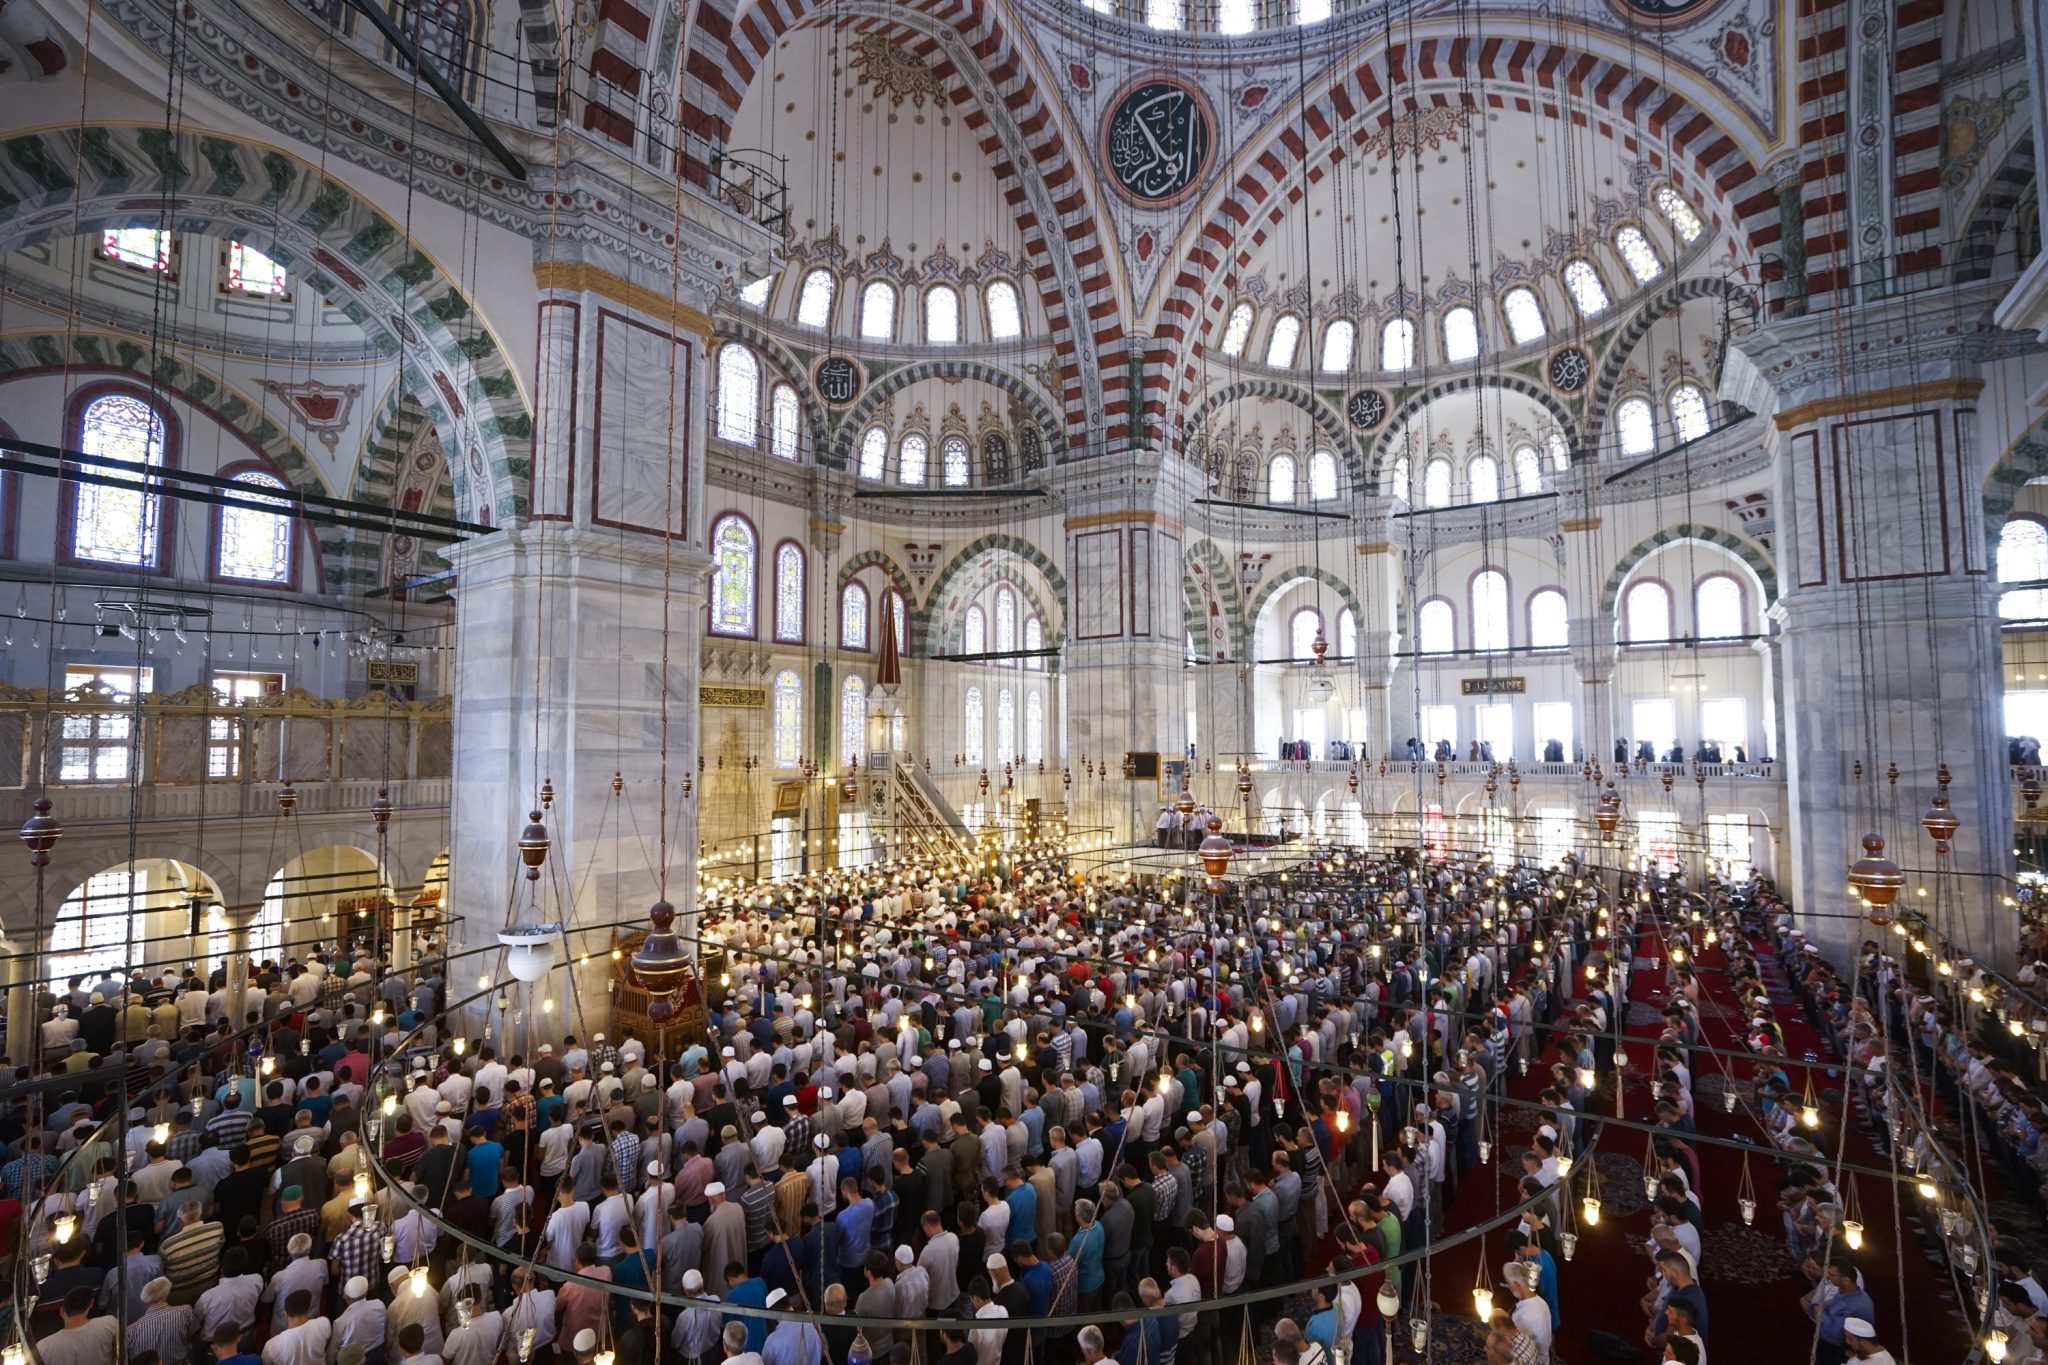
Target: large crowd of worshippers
991	1098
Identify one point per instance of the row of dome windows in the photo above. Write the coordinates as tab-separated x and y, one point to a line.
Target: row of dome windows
1719	612
877	312
1521	310
1231	16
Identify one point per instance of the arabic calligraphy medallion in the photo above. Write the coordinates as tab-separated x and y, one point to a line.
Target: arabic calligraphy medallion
1158	140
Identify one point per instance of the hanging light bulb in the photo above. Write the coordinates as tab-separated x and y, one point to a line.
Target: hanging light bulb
1728	1100
1994	1347
1564	1165
418	1281
390	1105
362	1184
459	1044
1748	1207
1852	1233
161	1133
1590	1208
1568	1243
65	1227
1482	1301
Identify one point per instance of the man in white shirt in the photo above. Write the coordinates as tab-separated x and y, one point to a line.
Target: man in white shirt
940	1261
304	1339
1531	1313
475	1341
361	1323
532	1310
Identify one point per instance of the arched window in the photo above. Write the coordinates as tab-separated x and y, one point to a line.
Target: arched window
1635	423
1034	638
853	719
2023	558
878	310
874	452
1238	330
1311	11
1683	220
1717	608
254	546
1559	450
972	723
1034	726
1436	484
814	300
1005	310
894	601
789	593
1302	629
787	719
953	461
732	576
1340	338
1236	16
941	315
1482	478
1162	14
1528	470
119	525
1589	296
739	395
1280	347
910	458
783	415
1489	610
1006	625
1347	634
1397	345
1461	334
1648	613
1006	725
756	294
1030	448
1280	479
1524	315
995	458
1549	624
1403	475
853	617
1434	625
974	632
1637	253
1689	412
1322	477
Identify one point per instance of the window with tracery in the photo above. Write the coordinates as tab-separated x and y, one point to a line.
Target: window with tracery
1322	476
878	310
874	452
1005	310
1434	624
733	558
853	719
941	315
1238	330
1635	424
1524	315
94	925
783	417
1589	296
1034	638
1549	623
789	593
1461	334
896	615
1006	725
1528	470
787	719
974	632
121	526
814	300
1280	479
1034	726
1689	412
1340	338
252	272
1436	484
1162	14
1006	625
953	460
1482	477
910	458
1030	448
1648	613
1683	220
255	545
1286	336
739	394
973	725
853	617
1403	475
1638	254
1559	450
1397	345
995	458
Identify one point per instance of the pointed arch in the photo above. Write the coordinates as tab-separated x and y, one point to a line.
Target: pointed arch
880	390
1277	583
788	369
875	559
1745	550
1622	342
923	620
1328	421
1388	441
1213	615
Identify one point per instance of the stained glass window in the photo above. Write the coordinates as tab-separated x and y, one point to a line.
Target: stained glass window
1689	412
119	525
1490	610
739	395
1588	294
252	272
1548	624
733	561
788	719
783	417
1034	638
814	302
1528	470
895	600
1034	726
910	459
974	632
1006	725
255	545
1649	613
1280	479
1461	334
1397	345
1340	338
853	719
1638	254
1637	426
1005	313
1524	315
789	593
1286	335
1433	626
1322	476
972	724
1717	608
878	310
953	460
874	452
941	315
1238	330
853	617
1482	477
1683	220
1436	484
1006	624
142	248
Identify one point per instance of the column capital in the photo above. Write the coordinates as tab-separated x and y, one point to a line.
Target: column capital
564	551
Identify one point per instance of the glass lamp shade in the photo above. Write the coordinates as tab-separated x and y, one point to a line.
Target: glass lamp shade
529	950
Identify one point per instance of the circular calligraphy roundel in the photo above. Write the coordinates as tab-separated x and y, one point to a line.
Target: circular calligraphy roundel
838	380
1568	369
1366	409
1158	140
1658	13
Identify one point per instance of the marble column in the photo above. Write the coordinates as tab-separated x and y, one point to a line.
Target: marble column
1887	618
23	1029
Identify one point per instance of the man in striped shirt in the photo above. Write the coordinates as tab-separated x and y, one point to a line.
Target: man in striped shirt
191	1255
232	1124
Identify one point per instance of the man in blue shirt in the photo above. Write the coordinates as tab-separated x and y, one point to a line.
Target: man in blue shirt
1023	1202
1677	1271
748	1293
855	1220
486	1160
1849	1301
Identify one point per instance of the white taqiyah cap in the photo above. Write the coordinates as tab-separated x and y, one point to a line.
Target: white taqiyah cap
1225	1223
995	1261
1859	1327
356	1287
692	1281
775	1296
714	1189
821	1142
586	1340
904	1256
597	1037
